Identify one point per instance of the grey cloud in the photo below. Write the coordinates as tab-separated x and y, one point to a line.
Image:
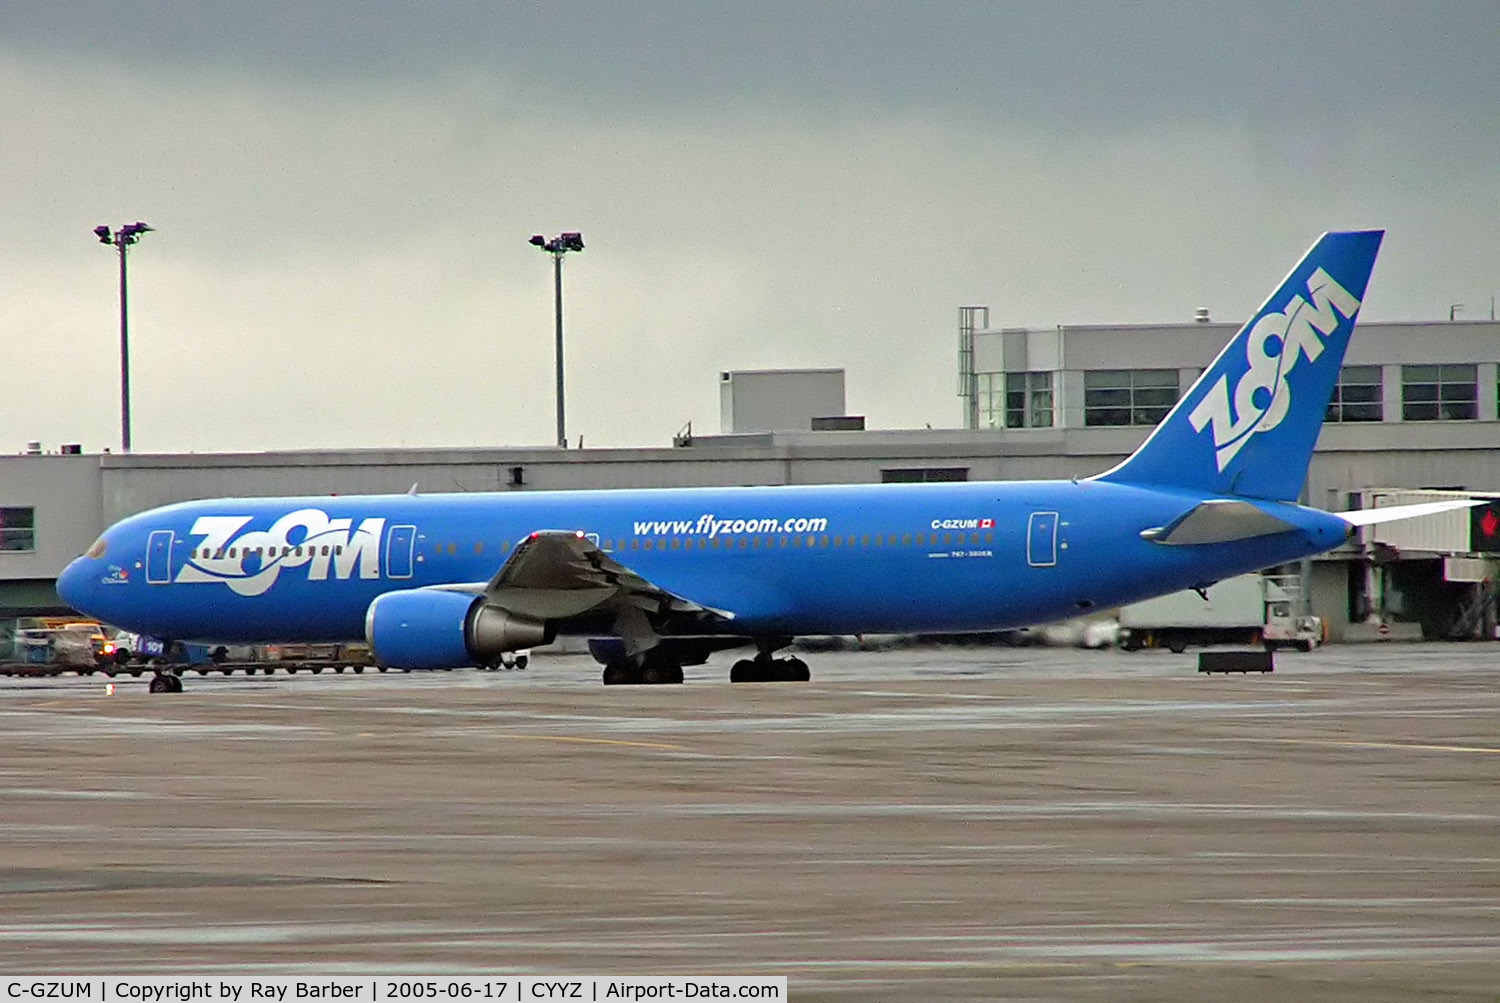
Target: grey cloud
1066	64
343	195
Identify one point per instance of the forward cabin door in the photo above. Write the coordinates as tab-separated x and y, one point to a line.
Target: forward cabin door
159	557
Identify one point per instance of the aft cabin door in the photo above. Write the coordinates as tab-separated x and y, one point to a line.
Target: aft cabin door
1041	540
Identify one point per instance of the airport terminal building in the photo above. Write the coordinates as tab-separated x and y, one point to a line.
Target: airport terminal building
1417	410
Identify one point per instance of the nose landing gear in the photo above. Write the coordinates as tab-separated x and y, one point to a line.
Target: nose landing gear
165	682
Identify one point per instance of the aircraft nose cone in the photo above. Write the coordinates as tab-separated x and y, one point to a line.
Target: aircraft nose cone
72	584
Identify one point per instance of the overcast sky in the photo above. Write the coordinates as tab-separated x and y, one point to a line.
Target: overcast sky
343	192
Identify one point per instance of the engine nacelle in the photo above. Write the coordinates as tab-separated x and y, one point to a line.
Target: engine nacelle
438	629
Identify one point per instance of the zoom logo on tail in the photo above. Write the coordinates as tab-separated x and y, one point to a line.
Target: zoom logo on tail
1262	396
1247	427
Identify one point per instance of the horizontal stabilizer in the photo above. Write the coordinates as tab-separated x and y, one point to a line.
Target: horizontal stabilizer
1394	513
1218	520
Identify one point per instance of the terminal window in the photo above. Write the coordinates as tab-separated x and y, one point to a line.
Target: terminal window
1357	395
17	529
1439	393
914	475
1128	396
989	389
1028	400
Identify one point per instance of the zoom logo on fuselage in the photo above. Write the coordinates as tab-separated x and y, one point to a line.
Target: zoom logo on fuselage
250	562
1262	395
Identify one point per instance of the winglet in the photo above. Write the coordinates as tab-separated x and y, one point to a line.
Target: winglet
1247	427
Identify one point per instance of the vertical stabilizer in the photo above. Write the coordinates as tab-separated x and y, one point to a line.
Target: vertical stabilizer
1248	425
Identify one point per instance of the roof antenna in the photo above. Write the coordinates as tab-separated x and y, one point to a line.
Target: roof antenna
413	489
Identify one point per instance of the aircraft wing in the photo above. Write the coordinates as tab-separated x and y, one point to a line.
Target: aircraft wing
560	574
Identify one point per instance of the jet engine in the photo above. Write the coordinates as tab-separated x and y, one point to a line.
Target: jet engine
439	629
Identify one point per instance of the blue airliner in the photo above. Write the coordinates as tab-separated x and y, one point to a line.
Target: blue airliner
662	578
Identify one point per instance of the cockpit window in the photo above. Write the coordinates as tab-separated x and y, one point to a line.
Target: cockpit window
97	550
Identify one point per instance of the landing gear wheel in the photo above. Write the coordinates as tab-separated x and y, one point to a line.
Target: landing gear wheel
660	671
770	670
619	674
164	682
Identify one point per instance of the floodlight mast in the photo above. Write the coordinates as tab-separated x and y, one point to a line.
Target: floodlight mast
121	240
557	247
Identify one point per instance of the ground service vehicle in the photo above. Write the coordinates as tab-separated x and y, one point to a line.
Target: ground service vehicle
1245	609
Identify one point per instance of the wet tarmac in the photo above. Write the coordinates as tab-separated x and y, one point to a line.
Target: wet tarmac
941	824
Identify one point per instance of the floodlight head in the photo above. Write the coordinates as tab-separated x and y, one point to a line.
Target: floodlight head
538	240
102	232
572	241
130	231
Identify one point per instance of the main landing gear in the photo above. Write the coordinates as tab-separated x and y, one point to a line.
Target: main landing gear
652	668
765	669
662	662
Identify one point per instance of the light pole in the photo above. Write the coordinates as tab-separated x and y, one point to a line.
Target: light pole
121	239
557	247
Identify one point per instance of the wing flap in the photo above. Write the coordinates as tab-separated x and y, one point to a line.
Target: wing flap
559	574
